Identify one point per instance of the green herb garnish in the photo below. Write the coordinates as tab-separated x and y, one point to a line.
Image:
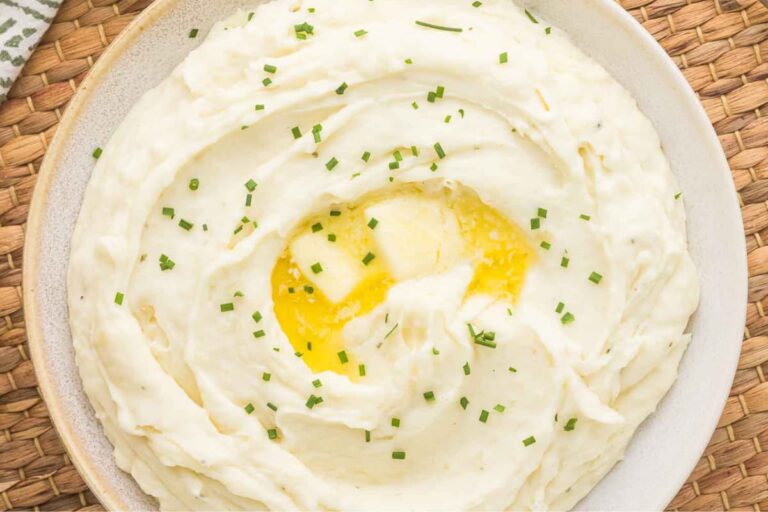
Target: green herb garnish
439	27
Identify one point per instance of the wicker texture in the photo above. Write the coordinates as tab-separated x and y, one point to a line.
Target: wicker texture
721	46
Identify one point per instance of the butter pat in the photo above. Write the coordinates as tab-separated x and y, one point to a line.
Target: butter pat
337	274
416	236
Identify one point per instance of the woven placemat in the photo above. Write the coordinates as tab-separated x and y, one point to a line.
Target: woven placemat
721	46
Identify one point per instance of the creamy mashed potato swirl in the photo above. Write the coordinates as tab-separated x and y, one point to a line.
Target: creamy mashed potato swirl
472	396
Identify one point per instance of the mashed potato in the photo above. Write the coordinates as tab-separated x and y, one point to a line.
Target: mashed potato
379	255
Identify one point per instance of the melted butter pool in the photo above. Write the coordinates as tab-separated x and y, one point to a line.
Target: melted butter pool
341	264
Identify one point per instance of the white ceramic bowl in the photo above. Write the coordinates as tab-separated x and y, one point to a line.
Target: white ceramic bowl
668	444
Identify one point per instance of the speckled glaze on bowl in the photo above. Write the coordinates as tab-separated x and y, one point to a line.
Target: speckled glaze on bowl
665	448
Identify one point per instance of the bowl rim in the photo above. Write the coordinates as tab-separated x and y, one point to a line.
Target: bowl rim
107	494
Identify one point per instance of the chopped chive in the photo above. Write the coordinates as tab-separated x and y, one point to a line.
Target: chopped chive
227	307
360	33
447	119
512	369
485	343
499	408
431	97
366	156
316	268
316	133
394	165
559	308
335	213
565	261
391	331
678	195
503	58
433	167
567	318
361	370
313	401
484	416
368	258
541	212
584	217
249	408
373	223
259	106
477	3
309	289
256	317
97	153
248	199
398	156
439	150
166	263
414	151
266	82
367	436
415	105
193	33
296	131
535	223
439	91
409	61
332	237
269	68
438	27
238	293
330	164
461	113
343	357
317	227
595	277
272	406
266	376
272	433
168	212
570	425
342	88
528	441
429	396
205	227
548	30
398	455
435	352
531	17
395	422
302	29
464	402
119	296
545	245
259	334
251	185
194	184
467	369
185	224
317	383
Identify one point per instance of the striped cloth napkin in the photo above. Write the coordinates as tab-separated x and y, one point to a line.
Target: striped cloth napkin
22	24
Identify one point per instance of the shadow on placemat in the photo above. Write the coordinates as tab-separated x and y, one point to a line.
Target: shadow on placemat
721	47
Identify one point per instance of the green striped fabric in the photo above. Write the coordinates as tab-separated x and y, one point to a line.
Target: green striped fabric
22	24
